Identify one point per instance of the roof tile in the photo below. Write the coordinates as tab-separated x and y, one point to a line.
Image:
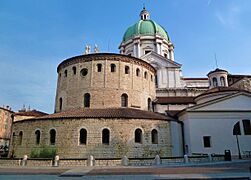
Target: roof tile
105	113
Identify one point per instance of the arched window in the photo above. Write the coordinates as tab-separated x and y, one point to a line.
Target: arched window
222	81
65	73
37	137
151	77
149	104
127	70
60	103
99	67
74	69
138	136
20	139
82	136
113	68
145	75
124	100
105	136
154	136
215	83
237	129
137	72
246	126
87	99
52	136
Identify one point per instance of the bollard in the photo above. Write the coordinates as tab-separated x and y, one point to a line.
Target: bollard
157	160
90	161
210	159
124	161
24	161
185	158
19	162
56	161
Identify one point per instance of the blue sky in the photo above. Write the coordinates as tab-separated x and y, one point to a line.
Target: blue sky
36	35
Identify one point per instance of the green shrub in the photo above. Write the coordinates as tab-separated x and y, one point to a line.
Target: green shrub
45	152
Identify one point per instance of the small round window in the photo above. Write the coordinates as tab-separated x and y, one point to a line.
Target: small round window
84	72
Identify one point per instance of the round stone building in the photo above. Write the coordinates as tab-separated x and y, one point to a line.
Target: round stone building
104	81
103	107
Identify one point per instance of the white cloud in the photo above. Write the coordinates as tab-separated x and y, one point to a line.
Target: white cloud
230	16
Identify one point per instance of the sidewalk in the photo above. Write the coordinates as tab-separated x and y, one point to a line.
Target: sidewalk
227	170
238	169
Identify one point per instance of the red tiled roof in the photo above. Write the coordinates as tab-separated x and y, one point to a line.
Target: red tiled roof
34	113
175	100
127	113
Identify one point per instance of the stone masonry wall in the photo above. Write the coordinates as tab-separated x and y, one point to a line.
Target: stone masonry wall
105	87
5	126
67	137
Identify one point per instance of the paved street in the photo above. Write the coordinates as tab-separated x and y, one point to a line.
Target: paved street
228	170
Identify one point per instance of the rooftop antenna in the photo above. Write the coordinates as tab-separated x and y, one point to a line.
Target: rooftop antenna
216	61
144	6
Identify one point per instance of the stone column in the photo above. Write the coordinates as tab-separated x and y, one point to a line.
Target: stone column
158	48
168	54
172	55
218	80
138	49
135	50
226	82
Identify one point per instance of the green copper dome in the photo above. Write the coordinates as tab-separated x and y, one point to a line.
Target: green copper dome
145	27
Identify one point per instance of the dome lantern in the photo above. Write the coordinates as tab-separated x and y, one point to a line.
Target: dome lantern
218	78
144	14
